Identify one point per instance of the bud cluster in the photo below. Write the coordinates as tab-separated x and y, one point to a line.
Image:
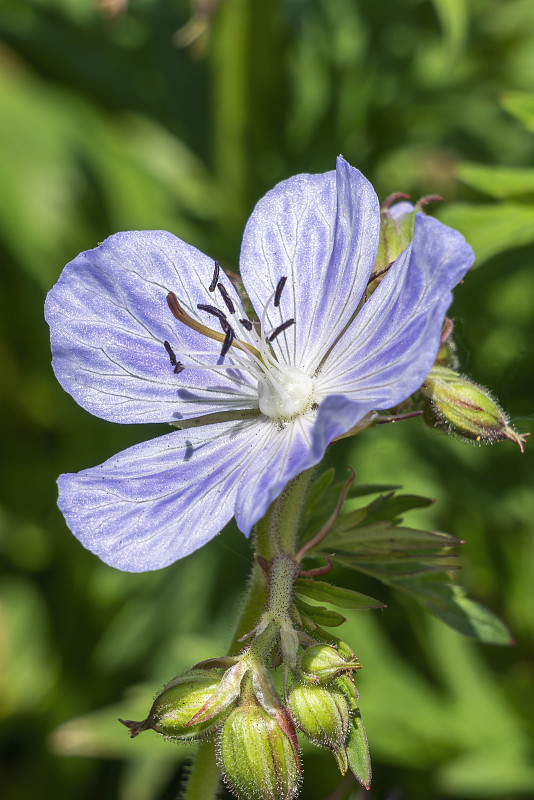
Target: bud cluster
236	701
319	701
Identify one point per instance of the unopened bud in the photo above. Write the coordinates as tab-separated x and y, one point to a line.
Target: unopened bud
321	663
446	356
396	230
462	407
179	702
321	713
257	758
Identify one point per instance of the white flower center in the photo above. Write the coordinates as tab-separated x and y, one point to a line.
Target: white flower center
284	392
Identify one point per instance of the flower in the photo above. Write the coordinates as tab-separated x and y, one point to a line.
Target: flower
144	328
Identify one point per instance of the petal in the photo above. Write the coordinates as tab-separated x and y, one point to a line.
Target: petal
161	500
388	351
321	231
108	318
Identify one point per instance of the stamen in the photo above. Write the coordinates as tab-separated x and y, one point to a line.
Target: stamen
216	313
228	339
215	278
246	323
183	317
178	366
171	353
278	331
226	297
278	293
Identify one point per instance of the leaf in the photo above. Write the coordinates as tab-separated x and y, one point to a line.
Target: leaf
358	751
318	488
371	488
491	229
390	507
337	595
375	541
319	614
449	603
521	106
347	521
499	182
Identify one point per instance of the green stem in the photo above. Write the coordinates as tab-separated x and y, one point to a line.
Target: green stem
276	542
203	782
276	533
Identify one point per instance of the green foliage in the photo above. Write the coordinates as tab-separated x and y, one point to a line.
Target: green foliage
372	541
107	125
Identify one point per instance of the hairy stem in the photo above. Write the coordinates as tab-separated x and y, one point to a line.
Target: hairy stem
203	781
268	594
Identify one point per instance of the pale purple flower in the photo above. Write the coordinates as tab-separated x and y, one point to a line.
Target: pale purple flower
281	392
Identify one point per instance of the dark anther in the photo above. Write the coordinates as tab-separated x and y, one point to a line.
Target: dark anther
215	311
246	323
215	278
178	368
171	353
226	297
278	293
278	331
228	339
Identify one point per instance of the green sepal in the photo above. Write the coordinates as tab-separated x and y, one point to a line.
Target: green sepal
358	751
337	595
319	614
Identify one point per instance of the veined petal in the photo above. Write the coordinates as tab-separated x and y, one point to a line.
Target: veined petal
389	349
321	231
160	500
109	318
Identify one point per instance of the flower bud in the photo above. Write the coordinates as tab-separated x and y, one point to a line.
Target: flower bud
462	407
257	758
396	230
321	663
321	713
179	702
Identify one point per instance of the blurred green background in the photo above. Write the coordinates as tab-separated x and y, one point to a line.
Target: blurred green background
180	115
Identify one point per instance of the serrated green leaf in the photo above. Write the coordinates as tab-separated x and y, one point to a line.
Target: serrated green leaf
390	507
358	752
491	229
337	595
521	106
499	182
347	521
319	614
384	538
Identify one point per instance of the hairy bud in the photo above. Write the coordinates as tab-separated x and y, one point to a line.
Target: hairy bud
257	758
462	407
321	663
321	713
181	700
